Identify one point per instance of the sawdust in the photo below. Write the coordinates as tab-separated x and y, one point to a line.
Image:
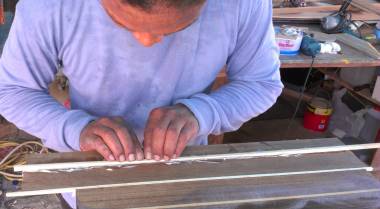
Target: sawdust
36	202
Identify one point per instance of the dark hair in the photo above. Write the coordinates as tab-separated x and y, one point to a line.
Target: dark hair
149	4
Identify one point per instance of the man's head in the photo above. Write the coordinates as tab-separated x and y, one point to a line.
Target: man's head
151	20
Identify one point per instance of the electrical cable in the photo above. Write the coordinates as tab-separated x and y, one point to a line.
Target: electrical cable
16	156
300	97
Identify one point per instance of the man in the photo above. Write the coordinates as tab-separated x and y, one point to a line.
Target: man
140	72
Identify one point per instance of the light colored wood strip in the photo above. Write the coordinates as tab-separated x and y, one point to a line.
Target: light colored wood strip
193	150
72	189
273	153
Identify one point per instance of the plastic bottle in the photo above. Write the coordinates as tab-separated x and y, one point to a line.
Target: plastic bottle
371	126
377	31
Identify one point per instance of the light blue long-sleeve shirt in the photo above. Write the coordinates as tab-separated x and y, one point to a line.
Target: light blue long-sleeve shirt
111	74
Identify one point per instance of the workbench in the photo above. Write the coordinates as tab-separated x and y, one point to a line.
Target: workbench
319	180
349	57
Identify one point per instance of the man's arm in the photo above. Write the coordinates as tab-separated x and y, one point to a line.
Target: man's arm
253	72
28	64
255	84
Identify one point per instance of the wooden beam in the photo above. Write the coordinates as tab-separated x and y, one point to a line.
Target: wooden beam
349	87
272	153
315	13
295	94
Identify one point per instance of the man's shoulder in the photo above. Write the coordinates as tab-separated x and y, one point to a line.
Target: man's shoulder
45	8
238	4
239	7
35	6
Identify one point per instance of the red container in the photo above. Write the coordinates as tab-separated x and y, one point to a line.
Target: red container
378	133
317	115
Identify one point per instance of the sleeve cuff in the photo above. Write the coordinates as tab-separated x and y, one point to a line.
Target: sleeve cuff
74	126
202	111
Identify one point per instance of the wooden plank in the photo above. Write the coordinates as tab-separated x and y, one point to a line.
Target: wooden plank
299	10
317	16
297	95
36	158
358	44
228	156
354	188
366	5
163	173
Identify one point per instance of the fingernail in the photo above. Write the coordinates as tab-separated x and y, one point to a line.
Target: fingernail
132	157
166	158
140	156
122	158
156	157
148	156
174	156
111	157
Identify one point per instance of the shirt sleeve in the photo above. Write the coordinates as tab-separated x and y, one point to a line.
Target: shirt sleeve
253	74
28	64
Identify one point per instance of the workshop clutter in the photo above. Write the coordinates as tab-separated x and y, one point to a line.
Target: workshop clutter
317	114
289	39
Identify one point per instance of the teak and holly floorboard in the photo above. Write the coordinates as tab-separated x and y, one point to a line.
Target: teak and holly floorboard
152	186
264	192
188	171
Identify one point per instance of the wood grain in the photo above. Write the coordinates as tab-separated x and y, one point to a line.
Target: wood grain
367	5
358	44
162	173
346	187
254	192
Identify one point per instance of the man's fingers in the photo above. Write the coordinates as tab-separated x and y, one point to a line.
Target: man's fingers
148	135
138	150
148	145
125	137
155	133
102	148
158	137
171	138
187	133
110	138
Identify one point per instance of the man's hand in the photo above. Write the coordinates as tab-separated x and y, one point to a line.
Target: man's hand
168	131
112	138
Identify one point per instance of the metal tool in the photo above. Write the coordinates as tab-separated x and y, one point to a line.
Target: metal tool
338	21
